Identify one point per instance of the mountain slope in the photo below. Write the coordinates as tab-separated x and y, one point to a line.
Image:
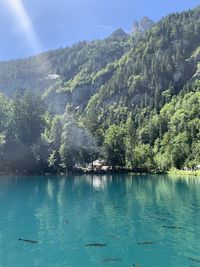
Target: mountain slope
63	69
131	99
79	71
156	68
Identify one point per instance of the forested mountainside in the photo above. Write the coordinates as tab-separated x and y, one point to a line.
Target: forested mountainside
56	74
131	99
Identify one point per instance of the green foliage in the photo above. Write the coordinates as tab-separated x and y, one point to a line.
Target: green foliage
22	123
155	68
133	99
114	146
143	157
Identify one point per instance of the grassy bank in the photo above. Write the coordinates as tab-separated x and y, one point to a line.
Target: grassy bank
183	172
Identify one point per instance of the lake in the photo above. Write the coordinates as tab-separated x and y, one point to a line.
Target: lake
85	221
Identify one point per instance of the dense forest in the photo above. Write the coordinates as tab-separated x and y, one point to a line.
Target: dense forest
130	99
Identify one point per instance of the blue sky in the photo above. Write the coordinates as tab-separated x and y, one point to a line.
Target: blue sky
30	26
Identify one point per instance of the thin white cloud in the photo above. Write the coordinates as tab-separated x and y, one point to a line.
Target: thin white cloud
106	27
24	23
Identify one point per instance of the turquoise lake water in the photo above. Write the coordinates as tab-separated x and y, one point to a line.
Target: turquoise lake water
145	221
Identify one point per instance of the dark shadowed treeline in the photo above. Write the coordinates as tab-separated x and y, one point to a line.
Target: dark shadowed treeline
33	141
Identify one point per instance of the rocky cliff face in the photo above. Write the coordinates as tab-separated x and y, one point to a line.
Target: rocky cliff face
144	25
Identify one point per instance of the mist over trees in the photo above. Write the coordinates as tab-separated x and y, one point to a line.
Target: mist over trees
133	100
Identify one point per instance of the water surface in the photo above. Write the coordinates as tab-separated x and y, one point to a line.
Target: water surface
145	221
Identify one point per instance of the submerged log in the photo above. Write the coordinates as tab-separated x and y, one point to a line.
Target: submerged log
146	243
112	260
28	241
172	227
95	245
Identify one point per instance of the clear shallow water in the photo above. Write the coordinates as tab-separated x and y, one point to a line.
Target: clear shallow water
65	213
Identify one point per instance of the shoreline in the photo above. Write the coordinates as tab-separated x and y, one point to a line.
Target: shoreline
172	172
184	173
